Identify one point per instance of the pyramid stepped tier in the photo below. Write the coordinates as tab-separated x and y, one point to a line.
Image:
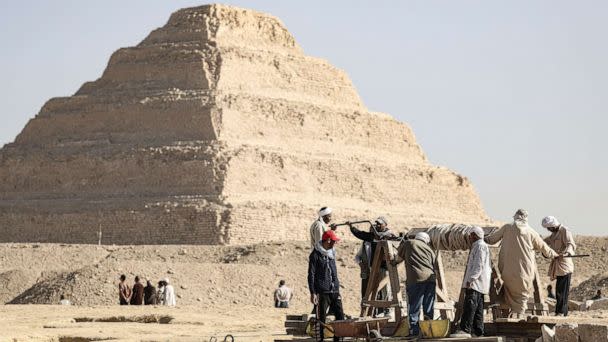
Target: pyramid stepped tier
217	129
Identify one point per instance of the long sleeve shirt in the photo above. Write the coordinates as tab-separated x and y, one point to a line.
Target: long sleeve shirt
478	270
561	242
316	231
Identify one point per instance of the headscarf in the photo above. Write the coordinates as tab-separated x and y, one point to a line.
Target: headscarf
424	237
550	222
382	220
477	231
330	253
521	215
324	211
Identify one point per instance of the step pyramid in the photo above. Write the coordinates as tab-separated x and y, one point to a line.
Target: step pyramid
217	129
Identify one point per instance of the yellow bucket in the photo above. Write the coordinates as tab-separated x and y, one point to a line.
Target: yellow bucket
435	328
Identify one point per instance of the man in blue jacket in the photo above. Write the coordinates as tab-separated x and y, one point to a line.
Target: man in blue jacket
323	280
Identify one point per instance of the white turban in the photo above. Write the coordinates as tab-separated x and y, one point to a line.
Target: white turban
550	222
324	211
477	231
166	280
424	237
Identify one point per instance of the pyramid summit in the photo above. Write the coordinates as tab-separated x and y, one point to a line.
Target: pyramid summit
216	129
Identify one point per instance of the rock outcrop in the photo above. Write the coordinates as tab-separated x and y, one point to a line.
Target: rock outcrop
216	129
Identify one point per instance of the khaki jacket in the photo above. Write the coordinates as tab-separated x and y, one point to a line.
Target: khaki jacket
561	242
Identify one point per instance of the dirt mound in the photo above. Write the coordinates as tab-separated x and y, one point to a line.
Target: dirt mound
13	282
588	288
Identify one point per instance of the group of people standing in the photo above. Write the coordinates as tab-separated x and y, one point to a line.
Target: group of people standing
516	263
139	294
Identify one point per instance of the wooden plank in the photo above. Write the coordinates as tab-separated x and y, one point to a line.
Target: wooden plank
295	324
383	304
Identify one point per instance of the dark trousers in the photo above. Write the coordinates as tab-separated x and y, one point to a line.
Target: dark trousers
562	291
333	302
279	304
472	313
420	294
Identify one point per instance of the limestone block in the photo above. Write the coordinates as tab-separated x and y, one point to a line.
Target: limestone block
548	334
566	332
599	304
574	305
593	333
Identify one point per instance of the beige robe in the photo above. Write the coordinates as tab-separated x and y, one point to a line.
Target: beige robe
561	242
316	231
517	262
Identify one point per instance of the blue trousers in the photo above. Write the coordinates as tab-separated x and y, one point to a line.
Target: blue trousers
420	294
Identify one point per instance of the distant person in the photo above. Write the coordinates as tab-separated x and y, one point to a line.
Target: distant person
476	284
63	301
560	269
160	293
282	295
149	293
598	295
550	293
137	297
124	291
320	226
169	299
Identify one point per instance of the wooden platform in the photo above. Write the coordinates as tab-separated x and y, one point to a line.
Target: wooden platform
396	339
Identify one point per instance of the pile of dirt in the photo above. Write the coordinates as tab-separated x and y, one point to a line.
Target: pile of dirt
588	288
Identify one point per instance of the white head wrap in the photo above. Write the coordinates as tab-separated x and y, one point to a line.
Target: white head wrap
325	211
521	215
166	280
477	231
550	222
424	237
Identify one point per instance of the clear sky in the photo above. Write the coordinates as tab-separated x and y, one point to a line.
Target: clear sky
512	94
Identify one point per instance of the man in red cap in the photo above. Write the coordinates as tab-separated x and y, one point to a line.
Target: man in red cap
323	280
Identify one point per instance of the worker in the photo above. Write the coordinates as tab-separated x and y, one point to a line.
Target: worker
420	278
124	291
169	293
137	298
517	261
550	293
282	295
323	281
64	301
476	284
365	257
149	293
320	226
560	269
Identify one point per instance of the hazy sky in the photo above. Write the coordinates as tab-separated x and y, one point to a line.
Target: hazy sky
512	94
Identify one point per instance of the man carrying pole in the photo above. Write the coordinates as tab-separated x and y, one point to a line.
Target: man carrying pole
560	270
